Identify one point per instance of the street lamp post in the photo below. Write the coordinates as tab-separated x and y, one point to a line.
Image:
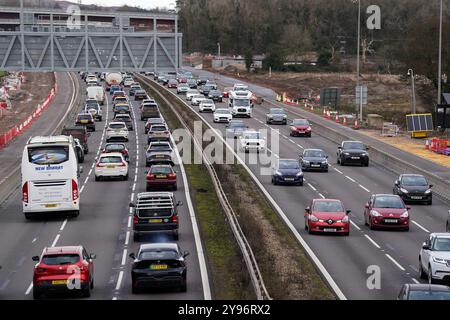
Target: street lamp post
440	56
411	74
358	57
218	49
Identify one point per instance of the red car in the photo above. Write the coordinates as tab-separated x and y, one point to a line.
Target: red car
61	269
300	127
161	176
226	92
327	216
117	147
386	211
118	94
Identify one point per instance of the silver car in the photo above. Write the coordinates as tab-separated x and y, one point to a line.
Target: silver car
235	129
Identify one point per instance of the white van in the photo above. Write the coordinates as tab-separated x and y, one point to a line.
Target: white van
97	93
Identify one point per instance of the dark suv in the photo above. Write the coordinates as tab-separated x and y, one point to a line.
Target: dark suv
353	152
155	212
413	188
87	120
79	133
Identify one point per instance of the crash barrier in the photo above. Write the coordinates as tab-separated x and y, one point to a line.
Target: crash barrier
6	137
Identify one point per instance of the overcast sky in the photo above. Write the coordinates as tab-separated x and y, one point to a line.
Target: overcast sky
146	4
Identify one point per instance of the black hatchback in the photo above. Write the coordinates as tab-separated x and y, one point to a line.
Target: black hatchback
413	188
159	266
424	292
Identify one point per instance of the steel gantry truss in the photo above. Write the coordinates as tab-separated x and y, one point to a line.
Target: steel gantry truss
89	48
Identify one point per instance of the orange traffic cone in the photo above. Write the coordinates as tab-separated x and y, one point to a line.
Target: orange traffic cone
324	113
356	125
312	107
427	144
336	119
344	121
328	115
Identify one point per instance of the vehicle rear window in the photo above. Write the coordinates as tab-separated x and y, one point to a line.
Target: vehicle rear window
149	106
117	126
429	295
159	255
388	202
111	160
48	155
161	170
328	206
150	213
115	147
158	128
60	259
85	117
124	119
159	147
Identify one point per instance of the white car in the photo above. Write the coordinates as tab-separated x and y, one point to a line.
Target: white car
207	105
434	258
195	101
91	78
182	88
117	130
222	115
191	93
128	82
251	140
110	165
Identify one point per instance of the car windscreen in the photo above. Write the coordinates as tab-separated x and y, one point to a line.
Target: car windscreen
110	160
149	106
429	295
85	117
328	206
117	126
353	145
165	254
120	108
300	122
60	259
159	147
241	102
441	244
161	170
150	213
289	165
314	154
414	181
388	202
48	155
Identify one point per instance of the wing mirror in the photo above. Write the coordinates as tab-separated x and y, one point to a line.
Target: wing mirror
92	256
367	205
35	258
132	256
367	148
185	254
179	203
339	147
348	212
132	205
408	208
425	246
397	183
431	186
308	209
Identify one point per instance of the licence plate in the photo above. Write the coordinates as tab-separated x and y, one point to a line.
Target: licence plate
329	230
288	179
355	158
161	177
159	156
155	220
416	198
158	267
110	167
84	121
59	282
50	205
390	220
315	165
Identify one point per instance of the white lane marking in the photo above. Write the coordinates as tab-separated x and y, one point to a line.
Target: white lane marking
134	187
34	240
131	211
81	190
417	224
415	280
132	197
29	289
63	225
290	140
311	186
351	179
56	240
119	280
124	256
372	241
90	172
337	170
322	196
355	225
395	262
301	147
364	188
130	221
127	238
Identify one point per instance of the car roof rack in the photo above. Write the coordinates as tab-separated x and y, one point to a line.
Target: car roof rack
155	200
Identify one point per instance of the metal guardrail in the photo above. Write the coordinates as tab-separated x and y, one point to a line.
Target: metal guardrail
247	252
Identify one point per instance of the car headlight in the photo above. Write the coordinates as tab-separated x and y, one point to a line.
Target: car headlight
278	173
428	191
405	214
305	161
375	213
325	162
313	218
439	260
404	190
364	154
346	219
346	153
299	174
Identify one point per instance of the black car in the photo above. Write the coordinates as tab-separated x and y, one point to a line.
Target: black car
413	188
314	159
424	292
155	213
287	171
140	95
87	120
192	83
353	152
447	227
122	109
205	89
159	265
202	80
215	95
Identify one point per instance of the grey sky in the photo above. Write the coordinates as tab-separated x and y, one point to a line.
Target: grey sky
146	4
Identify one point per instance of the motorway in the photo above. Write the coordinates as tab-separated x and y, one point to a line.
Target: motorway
104	226
347	259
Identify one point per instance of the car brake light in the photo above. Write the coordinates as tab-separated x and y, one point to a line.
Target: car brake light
150	176
175	219
74	190
25	192
135	219
41	270
172	176
123	164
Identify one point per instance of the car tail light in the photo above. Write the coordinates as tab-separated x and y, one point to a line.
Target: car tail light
125	151
172	176
99	165
174	219
135	219
75	194
40	270
123	164
25	192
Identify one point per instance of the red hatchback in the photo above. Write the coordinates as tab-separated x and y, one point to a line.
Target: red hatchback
300	127
61	269
327	216
161	176
386	211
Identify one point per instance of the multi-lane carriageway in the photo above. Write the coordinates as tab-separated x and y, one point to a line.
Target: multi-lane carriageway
104	227
350	261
